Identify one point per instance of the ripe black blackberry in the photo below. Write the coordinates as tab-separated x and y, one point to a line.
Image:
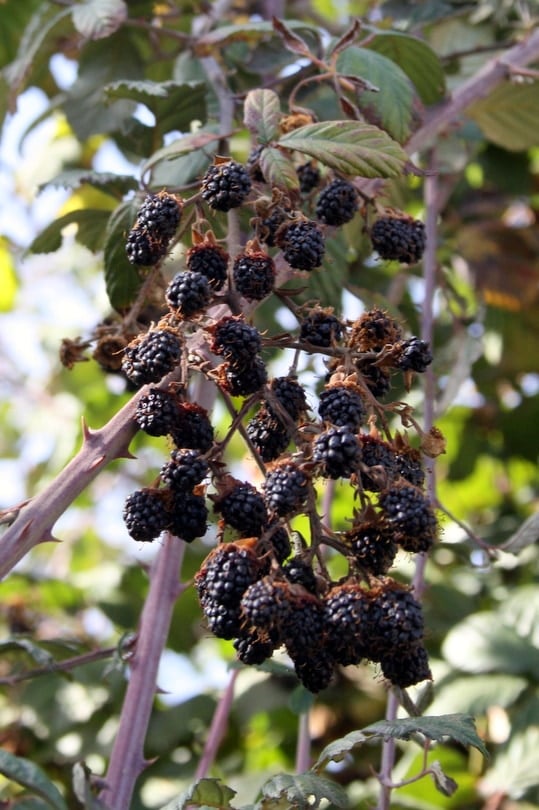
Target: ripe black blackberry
290	396
337	203
227	572
398	238
342	405
211	261
253	647
321	328
409	515
302	243
188	293
242	380
304	639
410	466
395	619
146	514
407	667
279	542
265	604
374	329
223	620
148	358
235	340
286	489
142	249
243	508
268	435
269	225
346	617
372	547
254	275
337	451
413	355
315	669
192	429
376	378
185	470
378	466
300	572
157	412
189	516
226	185
160	214
309	177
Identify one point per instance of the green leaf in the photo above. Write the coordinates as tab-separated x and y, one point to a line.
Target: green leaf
278	169
420	63
444	783
515	769
117	185
526	535
457	727
481	643
349	147
90	232
30	776
302	792
391	106
121	278
175	105
262	113
181	146
204	793
509	115
474	695
38	654
338	749
251	33
96	19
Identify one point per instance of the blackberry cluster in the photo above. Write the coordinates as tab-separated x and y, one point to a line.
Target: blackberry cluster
243	508
337	452
337	203
302	243
398	238
254	275
142	249
269	225
321	328
189	516
226	185
193	429
342	405
148	358
347	619
156	223
188	293
299	572
209	260
410	467
286	488
409	515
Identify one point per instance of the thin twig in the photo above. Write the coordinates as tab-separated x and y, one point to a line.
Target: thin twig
218	728
62	666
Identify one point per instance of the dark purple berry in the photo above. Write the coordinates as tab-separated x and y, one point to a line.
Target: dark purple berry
241	380
302	243
157	412
407	512
160	214
193	429
398	238
235	340
372	546
227	572
211	261
146	514
342	405
322	329
189	516
414	355
346	619
290	396
254	275
410	466
243	508
378	466
142	249
268	435
185	470
150	357
337	203
406	667
253	646
188	293
395	620
286	489
226	185
300	572
309	177
265	604
269	226
376	379
337	452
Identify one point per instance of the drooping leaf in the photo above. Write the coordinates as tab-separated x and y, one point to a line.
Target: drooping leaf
30	776
262	113
444	783
349	147
481	643
91	224
303	791
204	793
509	115
96	19
391	106
338	749
278	169
117	185
174	104
37	653
417	59
526	535
121	278
457	727
292	41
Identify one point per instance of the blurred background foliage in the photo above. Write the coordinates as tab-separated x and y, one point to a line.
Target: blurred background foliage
84	107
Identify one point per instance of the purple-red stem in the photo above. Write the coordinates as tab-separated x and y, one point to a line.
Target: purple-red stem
218	728
303	746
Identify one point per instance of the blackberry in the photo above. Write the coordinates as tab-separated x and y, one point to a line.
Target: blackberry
286	489
151	356
270	225
346	618
376	379
337	451
399	238
410	466
309	177
226	185
409	515
235	340
188	293
142	249
193	429
321	328
304	631
342	405
372	547
373	330
160	214
290	396
253	164
146	514
315	669
268	435
299	572
223	620
254	275
189	516
407	667
184	471
395	619
227	572
279	542
157	412
378	466
302	243
243	508
265	604
337	203
240	381
211	261
253	647
413	355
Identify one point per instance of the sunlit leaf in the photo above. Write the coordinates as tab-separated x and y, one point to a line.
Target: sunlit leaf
117	185
91	224
509	115
303	791
95	19
416	58
457	727
174	104
30	776
338	749
349	147
262	113
121	278
526	535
